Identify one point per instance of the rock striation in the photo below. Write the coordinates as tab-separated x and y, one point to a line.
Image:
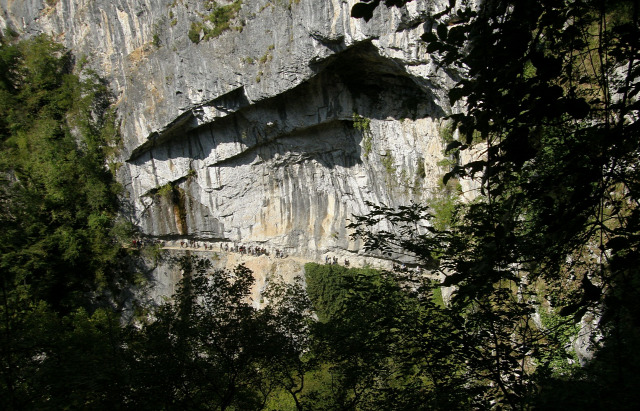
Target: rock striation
274	132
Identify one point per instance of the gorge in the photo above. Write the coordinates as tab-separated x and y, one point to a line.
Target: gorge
401	204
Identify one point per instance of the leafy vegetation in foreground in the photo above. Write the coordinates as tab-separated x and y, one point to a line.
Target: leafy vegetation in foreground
212	349
551	90
381	342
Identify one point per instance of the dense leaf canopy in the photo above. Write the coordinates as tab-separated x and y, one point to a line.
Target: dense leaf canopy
549	95
59	200
57	208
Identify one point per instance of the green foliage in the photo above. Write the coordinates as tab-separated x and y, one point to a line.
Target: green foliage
209	347
437	298
82	62
443	205
215	349
550	92
153	252
421	172
363	125
381	342
59	199
194	32
563	361
447	163
446	132
166	191
57	362
267	56
60	249
220	19
222	16
264	58
360	123
388	163
326	286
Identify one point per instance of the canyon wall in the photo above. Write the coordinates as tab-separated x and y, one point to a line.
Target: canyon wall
271	134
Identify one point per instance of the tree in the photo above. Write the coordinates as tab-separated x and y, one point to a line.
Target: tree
58	256
550	89
211	349
59	200
382	343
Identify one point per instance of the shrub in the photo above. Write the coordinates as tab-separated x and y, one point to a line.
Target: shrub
194	32
363	124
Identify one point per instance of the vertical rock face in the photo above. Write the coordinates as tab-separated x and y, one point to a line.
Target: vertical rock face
290	170
274	132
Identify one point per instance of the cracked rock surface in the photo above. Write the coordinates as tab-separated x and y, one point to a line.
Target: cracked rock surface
250	136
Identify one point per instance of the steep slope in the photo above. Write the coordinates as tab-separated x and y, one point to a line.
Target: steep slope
274	132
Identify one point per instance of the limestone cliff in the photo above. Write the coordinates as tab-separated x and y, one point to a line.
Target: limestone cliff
275	131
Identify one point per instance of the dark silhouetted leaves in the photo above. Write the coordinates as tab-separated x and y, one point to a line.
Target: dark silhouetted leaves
364	10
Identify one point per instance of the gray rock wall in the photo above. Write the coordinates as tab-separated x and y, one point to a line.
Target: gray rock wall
249	137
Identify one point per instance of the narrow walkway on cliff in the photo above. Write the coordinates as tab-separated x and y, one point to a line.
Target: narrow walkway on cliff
252	252
248	253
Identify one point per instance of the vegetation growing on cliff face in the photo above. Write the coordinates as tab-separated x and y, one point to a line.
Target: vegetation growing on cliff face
216	22
363	125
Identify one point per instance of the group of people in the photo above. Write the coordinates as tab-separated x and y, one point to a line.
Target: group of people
252	251
249	250
193	244
334	260
403	267
280	254
242	249
139	243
